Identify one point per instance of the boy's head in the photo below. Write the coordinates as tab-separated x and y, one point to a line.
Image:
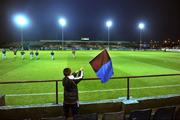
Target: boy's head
67	71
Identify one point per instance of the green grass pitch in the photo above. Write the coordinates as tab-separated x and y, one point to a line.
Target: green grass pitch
125	63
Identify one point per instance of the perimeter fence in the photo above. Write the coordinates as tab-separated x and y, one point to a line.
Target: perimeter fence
54	85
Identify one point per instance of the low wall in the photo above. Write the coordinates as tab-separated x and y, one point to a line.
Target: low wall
50	110
40	111
30	112
2	100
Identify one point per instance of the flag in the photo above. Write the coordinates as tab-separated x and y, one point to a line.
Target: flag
102	65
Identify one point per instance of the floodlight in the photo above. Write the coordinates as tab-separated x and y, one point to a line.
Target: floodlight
109	23
141	26
62	22
21	20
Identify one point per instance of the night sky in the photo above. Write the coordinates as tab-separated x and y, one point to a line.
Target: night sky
86	18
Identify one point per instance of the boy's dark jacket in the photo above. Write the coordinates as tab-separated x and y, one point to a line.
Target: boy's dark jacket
70	90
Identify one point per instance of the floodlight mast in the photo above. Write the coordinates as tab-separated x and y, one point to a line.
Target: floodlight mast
21	21
62	35
108	25
141	27
62	23
22	39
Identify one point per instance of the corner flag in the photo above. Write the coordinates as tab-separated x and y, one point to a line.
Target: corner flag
102	65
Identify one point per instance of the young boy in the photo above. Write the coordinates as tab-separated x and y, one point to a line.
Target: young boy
71	98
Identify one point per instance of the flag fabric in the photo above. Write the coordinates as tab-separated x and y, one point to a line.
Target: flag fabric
102	65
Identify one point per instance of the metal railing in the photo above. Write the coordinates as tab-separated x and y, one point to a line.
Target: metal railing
113	78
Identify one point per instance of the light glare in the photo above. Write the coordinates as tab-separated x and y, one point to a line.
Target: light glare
141	26
109	23
21	20
62	22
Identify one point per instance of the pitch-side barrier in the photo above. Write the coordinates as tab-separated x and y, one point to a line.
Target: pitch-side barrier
127	78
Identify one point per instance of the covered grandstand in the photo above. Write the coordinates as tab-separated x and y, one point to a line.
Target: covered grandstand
85	44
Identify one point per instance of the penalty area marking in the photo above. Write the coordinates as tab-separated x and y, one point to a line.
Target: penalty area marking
94	91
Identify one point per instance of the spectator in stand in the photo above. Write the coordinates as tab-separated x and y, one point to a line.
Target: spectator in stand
71	99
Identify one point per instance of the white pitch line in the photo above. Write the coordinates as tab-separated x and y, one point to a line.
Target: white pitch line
94	91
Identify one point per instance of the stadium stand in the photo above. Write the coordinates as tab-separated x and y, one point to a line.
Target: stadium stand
164	113
113	116
84	45
140	115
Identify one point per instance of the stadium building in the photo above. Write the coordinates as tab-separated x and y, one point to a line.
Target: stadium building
83	44
77	44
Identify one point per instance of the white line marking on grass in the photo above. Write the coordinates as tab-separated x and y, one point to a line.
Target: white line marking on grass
94	91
